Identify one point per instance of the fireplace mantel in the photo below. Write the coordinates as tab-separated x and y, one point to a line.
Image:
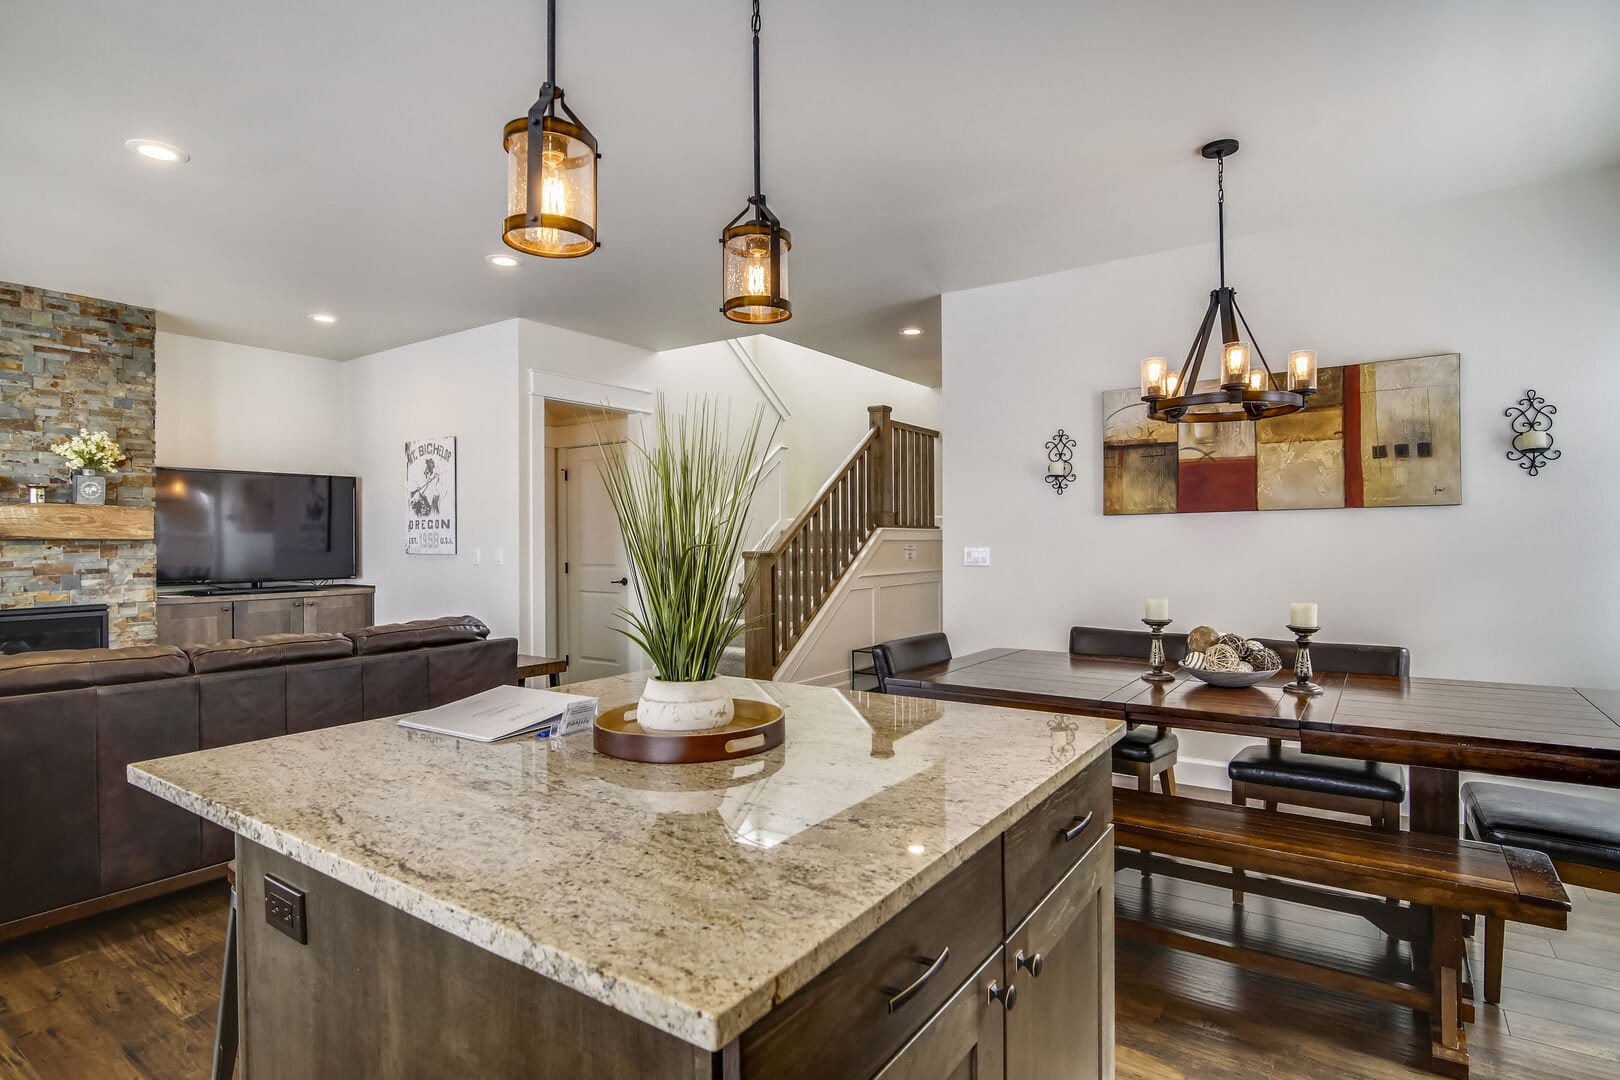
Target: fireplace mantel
66	521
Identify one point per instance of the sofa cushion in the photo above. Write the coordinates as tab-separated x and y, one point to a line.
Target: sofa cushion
272	650
75	669
1289	767
1574	828
421	634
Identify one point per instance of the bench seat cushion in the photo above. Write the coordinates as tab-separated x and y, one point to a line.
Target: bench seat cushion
1577	828
1146	743
1288	767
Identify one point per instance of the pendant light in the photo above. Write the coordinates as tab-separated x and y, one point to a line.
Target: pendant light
550	171
754	259
1247	391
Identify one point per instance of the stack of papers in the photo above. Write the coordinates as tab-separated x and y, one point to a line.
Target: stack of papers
506	711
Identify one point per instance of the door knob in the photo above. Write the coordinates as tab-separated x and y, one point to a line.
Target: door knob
1007	995
621	581
1030	963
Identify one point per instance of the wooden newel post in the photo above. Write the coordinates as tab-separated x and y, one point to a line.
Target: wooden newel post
881	478
759	640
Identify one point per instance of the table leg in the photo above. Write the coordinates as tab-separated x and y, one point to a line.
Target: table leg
1435	801
554	680
1448	1043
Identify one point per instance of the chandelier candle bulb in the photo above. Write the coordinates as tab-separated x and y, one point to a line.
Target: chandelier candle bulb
1154	370
1302	370
1235	363
1157	607
1302	615
1257	379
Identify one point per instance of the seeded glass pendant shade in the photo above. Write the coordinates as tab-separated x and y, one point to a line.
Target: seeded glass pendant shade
550	172
754	252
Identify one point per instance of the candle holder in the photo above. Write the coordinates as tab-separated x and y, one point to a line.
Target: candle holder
1302	686
1156	653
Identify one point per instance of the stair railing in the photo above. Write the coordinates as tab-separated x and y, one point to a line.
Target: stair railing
887	480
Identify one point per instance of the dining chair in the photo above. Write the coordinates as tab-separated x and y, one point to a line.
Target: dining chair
1579	833
903	654
1280	775
1147	750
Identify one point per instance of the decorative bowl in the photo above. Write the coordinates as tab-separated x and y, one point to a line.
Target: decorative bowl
1230	678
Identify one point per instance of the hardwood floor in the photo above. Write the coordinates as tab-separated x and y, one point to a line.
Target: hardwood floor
132	994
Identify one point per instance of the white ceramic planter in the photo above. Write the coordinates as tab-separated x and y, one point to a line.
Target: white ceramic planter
683	706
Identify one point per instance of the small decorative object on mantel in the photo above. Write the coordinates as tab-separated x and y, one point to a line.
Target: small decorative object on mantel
1532	432
36	491
682	496
92	454
1060	461
1156	613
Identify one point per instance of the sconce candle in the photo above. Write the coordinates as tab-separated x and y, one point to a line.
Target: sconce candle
1532	432
1060	460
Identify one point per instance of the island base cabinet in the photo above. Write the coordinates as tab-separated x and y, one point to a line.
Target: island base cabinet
965	1040
1060	962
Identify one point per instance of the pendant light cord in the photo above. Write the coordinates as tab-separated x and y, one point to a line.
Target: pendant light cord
759	191
551	42
1220	212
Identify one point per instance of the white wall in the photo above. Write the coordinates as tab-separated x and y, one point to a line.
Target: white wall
225	406
463	385
1520	583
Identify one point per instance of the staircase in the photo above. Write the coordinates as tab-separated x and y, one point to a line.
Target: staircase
887	480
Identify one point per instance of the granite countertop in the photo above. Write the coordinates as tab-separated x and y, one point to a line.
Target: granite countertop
692	897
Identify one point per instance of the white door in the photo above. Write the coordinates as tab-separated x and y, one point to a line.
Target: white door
596	571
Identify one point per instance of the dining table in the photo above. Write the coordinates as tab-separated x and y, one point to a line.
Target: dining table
1439	728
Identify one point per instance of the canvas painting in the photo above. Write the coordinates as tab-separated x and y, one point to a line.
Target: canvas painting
430	496
1387	433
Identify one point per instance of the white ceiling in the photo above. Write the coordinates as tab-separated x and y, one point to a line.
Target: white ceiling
346	155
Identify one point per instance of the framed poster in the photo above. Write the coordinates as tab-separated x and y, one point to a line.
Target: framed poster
430	496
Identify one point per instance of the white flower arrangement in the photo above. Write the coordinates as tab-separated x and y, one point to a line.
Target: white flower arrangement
90	450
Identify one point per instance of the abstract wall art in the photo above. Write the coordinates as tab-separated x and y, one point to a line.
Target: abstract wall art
1381	434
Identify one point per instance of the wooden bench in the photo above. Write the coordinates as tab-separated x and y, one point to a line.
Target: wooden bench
1327	864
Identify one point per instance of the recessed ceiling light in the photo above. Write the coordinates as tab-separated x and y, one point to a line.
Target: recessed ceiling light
505	262
323	318
910	331
154	150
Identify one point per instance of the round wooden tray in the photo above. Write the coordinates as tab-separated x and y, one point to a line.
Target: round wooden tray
757	727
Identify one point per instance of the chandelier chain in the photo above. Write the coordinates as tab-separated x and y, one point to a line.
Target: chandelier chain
1220	212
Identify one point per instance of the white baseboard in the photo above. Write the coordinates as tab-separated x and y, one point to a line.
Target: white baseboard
1202	773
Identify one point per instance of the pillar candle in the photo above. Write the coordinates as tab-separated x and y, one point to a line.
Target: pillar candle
1158	607
1302	615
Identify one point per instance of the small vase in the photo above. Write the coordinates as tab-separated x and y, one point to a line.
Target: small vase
89	488
683	706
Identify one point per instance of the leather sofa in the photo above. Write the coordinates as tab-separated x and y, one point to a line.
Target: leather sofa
77	838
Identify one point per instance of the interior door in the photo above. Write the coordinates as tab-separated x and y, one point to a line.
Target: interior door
596	572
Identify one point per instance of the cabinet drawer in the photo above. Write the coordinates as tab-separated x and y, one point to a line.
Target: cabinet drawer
966	1039
851	1019
1040	849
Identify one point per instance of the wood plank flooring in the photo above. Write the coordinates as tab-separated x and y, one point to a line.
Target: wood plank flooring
132	994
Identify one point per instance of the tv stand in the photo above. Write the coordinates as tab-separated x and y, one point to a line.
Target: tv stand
198	617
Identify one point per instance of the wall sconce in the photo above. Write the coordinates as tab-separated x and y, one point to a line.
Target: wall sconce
1532	432
1060	461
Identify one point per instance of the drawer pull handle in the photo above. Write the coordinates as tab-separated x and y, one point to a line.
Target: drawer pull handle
1008	995
1033	964
1077	828
898	998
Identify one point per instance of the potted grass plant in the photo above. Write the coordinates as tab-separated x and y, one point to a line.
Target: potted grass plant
681	493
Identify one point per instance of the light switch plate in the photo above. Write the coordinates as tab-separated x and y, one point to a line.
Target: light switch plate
975	556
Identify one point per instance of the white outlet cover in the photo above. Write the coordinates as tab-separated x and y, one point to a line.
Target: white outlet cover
975	556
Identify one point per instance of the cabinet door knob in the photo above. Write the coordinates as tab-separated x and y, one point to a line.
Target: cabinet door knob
898	998
1077	828
298	603
224	607
1033	963
1007	995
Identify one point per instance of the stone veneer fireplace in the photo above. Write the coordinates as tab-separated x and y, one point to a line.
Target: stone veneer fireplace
69	362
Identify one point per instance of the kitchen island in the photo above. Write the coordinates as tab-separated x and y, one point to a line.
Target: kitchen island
905	885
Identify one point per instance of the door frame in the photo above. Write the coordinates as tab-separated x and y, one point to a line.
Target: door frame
539	487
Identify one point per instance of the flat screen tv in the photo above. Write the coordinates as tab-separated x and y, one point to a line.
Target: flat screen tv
221	527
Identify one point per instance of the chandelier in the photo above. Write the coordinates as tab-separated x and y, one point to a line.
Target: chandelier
754	261
550	172
1247	390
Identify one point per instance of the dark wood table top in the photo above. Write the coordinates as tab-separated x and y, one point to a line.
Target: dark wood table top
1553	732
532	667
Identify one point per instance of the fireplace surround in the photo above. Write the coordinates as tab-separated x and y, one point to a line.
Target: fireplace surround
53	626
